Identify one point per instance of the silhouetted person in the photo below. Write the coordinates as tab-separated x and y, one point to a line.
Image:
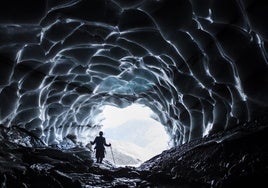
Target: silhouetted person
100	142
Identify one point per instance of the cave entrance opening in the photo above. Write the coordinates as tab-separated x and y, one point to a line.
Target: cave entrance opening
135	136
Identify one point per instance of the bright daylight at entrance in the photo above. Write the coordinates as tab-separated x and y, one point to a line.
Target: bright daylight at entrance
134	135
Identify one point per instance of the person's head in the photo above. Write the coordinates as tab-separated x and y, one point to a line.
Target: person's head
100	133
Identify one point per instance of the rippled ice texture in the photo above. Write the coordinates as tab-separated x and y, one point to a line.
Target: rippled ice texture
200	66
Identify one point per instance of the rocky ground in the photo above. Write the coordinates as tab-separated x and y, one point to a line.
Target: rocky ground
237	158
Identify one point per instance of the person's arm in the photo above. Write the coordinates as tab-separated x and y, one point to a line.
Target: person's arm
93	141
106	143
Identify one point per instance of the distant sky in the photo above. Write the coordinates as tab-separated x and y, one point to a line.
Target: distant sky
116	116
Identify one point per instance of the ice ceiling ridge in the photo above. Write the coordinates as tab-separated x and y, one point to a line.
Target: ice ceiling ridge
202	69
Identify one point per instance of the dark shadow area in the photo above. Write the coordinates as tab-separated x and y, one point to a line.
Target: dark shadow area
238	157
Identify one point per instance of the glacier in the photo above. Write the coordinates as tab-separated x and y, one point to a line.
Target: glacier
201	67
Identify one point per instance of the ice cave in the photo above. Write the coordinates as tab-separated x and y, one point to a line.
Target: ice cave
199	68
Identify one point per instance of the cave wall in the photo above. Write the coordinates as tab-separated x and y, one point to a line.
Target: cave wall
200	66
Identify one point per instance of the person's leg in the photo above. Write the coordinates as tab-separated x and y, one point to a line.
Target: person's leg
102	155
98	156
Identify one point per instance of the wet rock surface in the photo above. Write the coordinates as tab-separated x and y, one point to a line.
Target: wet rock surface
235	158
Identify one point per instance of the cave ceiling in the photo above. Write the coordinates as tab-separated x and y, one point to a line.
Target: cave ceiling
200	66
